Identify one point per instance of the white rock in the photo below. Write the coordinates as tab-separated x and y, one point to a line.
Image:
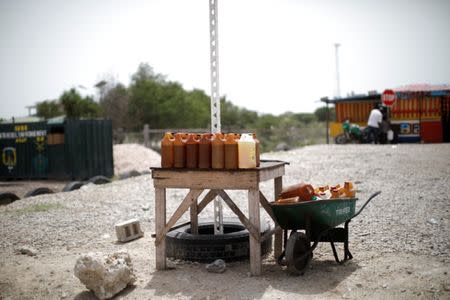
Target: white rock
218	266
26	250
432	221
105	275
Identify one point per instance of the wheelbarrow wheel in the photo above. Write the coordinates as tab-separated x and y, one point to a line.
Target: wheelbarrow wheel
297	245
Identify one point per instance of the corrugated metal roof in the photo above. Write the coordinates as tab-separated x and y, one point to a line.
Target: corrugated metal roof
422	87
56	120
21	120
357	98
433	89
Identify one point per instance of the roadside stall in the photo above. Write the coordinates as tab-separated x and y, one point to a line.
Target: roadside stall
420	113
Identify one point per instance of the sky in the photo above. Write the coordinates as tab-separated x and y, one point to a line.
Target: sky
274	55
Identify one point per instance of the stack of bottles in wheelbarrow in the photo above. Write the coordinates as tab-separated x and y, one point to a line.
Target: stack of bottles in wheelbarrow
210	151
305	192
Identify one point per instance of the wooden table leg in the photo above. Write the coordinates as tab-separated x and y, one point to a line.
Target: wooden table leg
194	216
255	245
160	223
278	243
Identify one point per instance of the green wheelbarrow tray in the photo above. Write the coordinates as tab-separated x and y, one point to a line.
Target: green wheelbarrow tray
322	213
318	219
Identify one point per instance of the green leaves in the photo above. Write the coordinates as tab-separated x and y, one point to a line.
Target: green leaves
71	104
152	99
75	106
48	109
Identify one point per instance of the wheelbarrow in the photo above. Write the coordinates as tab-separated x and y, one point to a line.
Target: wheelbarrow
318	219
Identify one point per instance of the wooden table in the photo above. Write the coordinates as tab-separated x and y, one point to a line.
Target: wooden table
217	181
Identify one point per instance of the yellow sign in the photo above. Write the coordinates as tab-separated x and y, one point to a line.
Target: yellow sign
21	128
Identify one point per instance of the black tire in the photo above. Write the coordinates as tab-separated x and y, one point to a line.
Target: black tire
38	191
296	246
206	247
132	173
341	139
7	198
72	186
99	179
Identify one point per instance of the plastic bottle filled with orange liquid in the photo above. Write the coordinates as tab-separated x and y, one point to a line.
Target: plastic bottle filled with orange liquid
192	151
257	150
179	151
231	152
167	151
204	151
217	151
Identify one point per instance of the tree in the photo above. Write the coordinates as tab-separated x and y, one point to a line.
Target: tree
48	109
75	106
114	105
305	118
234	117
321	114
165	104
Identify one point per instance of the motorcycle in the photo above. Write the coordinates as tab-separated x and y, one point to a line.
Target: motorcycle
352	134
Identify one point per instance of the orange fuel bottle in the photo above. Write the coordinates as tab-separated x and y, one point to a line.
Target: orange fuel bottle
179	151
204	151
217	151
231	152
192	152
167	158
258	153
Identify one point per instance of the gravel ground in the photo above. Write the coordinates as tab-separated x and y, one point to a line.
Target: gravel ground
400	242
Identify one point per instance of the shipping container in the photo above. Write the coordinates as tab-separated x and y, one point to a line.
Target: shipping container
24	150
57	149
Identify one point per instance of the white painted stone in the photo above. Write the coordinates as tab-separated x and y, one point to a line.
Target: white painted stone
105	275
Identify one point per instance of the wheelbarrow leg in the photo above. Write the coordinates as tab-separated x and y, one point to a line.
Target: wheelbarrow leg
347	254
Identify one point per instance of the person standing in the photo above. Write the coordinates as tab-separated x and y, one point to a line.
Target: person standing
373	124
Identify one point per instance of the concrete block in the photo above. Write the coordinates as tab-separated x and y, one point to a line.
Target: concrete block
128	230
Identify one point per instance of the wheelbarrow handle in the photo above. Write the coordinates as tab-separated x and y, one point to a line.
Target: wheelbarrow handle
365	204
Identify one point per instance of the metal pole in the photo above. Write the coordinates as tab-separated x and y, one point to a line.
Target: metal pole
215	97
328	124
338	88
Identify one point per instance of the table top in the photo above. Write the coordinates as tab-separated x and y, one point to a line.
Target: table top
217	178
265	165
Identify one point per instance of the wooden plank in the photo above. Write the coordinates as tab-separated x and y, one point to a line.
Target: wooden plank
266	206
182	208
208	198
199	179
267	174
255	245
278	243
194	216
251	229
160	223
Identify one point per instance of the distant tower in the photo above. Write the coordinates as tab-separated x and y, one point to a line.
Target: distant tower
338	88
